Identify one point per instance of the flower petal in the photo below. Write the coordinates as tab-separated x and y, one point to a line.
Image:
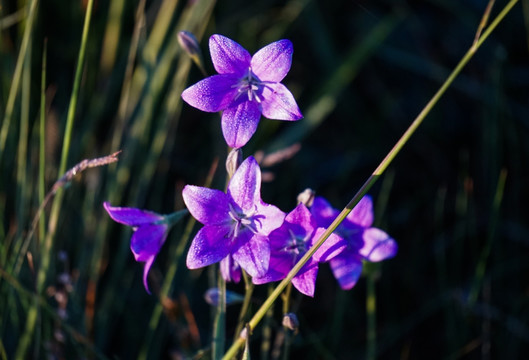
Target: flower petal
147	241
228	56
305	280
377	245
346	268
268	218
245	185
323	212
362	213
279	103
209	206
146	269
230	270
254	256
131	216
212	94
272	62
208	246
240	122
330	248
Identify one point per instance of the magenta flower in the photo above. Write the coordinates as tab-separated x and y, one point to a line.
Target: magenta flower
290	242
236	223
150	232
246	87
362	242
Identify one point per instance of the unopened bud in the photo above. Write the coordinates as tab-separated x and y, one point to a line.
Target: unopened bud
307	197
233	161
290	321
212	297
189	43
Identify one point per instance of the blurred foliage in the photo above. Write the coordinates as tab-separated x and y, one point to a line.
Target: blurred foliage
361	72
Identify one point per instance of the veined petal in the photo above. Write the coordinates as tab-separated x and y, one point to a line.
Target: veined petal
346	268
330	248
240	122
305	280
147	241
245	184
228	56
230	270
362	214
131	216
254	256
272	62
279	266
208	206
378	245
302	219
212	94
209	246
268	218
279	103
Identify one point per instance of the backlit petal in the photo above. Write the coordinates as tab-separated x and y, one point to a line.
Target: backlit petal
146	269
230	270
330	248
240	122
131	216
209	246
279	103
254	256
245	184
362	213
272	62
378	245
228	56
209	206
305	280
346	268
212	94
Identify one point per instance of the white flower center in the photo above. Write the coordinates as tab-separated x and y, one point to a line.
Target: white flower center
250	85
295	245
240	220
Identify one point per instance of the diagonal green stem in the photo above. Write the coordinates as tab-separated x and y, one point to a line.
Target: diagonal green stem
233	350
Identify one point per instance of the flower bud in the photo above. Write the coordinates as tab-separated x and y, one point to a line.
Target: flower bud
212	297
189	43
233	161
290	321
307	197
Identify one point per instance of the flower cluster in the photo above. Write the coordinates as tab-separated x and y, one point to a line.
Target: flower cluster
240	231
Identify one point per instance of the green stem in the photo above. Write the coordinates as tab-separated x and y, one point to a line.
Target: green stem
248	291
371	310
234	349
219	330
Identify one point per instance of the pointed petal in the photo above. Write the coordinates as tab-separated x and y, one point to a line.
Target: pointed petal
362	213
131	216
254	256
323	212
245	184
230	270
346	268
212	94
208	206
302	221
209	246
147	241
272	62
278	103
228	56
332	247
240	122
377	245
305	280
146	269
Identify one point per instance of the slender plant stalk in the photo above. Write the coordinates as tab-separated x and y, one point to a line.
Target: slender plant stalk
42	143
248	291
371	311
234	349
219	330
16	76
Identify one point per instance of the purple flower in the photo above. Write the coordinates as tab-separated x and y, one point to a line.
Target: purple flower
236	223
363	242
290	242
246	87
150	232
